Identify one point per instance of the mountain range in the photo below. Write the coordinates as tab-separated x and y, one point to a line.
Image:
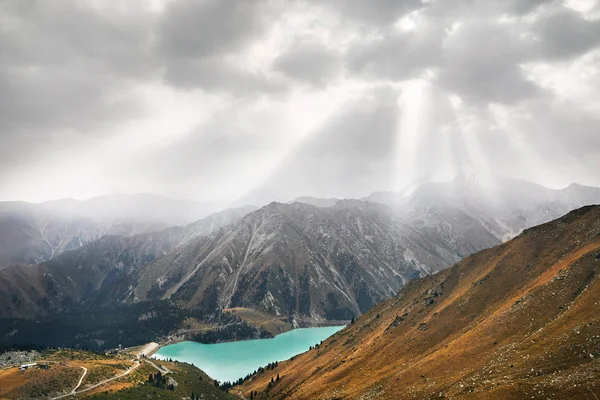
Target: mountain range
31	233
328	260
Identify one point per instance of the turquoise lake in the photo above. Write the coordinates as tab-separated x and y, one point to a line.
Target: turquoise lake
233	360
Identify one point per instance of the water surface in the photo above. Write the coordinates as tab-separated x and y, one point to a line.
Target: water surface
233	360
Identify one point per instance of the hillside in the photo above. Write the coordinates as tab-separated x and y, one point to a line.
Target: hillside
102	272
120	375
516	321
305	261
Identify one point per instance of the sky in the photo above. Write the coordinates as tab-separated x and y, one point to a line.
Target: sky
237	101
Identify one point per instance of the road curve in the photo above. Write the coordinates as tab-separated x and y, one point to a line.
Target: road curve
85	370
163	370
134	367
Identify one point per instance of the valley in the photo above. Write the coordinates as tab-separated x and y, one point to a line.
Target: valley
274	268
300	200
247	275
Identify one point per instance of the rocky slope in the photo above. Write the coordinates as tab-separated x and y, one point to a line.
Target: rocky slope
294	260
302	260
102	271
516	321
34	233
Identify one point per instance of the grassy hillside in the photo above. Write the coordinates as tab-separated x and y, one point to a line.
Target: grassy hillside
274	325
65	367
517	321
190	380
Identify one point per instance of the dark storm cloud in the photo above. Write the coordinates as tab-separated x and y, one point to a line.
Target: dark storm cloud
60	60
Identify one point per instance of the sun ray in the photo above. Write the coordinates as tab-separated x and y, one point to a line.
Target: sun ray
410	105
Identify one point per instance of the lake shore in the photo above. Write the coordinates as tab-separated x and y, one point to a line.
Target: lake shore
230	361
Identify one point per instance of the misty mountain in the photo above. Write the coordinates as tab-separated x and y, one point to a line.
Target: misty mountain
33	233
505	207
316	201
102	271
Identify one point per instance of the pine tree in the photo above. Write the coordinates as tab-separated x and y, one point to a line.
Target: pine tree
277	378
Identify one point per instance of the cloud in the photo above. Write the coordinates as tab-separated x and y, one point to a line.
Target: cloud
564	33
65	72
211	98
521	7
199	44
196	29
481	63
397	55
310	63
376	13
223	75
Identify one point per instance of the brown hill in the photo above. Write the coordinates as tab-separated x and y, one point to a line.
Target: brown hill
520	320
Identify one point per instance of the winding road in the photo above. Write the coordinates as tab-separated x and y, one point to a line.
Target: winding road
74	391
85	371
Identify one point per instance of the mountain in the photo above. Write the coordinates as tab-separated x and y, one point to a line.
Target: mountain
100	272
504	206
306	261
316	201
294	260
519	320
33	233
